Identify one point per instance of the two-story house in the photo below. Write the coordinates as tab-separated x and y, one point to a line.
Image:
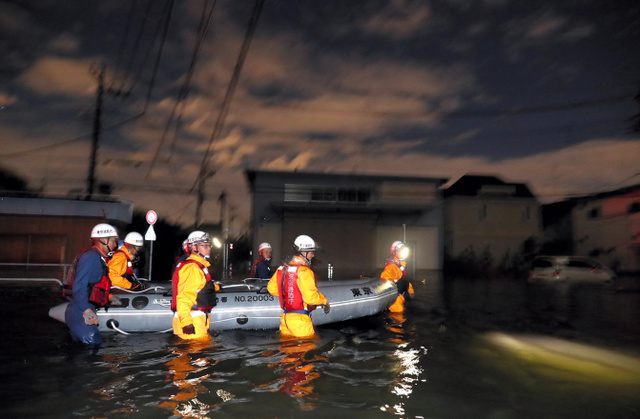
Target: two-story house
485	213
607	227
354	218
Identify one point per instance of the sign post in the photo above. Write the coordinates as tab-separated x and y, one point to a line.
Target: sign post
152	217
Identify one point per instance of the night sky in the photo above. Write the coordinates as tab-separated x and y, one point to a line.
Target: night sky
540	92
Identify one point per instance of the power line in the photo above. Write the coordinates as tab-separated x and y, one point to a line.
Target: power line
148	52
71	140
168	12
135	47
456	114
203	26
200	181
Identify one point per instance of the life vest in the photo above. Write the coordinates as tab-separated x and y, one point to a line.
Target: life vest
403	282
397	263
289	292
98	292
206	297
253	267
128	274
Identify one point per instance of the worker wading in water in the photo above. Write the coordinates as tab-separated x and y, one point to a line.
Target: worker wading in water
194	292
295	285
394	270
87	285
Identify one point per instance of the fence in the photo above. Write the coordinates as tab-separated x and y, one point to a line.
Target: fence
34	271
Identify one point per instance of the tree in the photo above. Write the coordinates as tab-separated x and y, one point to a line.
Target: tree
9	182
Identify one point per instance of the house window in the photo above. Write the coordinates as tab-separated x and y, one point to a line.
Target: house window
317	193
594	212
633	208
527	213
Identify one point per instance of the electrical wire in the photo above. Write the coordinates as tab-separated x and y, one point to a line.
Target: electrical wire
203	26
136	45
454	114
229	93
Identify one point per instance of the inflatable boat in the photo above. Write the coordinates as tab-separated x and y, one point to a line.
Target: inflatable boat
247	305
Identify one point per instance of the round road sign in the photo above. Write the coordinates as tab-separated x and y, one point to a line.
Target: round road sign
152	217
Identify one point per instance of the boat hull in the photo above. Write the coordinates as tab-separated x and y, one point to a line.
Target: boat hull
242	306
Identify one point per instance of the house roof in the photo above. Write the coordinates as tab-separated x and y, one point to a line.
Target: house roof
118	211
307	177
483	185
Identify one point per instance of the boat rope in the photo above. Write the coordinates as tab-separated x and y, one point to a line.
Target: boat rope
114	327
154	289
252	317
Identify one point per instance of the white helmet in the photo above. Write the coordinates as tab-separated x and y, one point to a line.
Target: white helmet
304	243
134	239
263	246
198	236
103	230
396	245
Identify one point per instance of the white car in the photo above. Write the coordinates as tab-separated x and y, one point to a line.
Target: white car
569	269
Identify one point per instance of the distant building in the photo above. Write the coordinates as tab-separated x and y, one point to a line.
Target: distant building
354	218
38	236
607	226
486	213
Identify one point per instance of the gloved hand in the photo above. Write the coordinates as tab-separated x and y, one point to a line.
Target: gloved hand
114	300
137	285
189	330
327	308
90	317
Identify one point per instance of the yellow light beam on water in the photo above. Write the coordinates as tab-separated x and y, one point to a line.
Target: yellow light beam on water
584	362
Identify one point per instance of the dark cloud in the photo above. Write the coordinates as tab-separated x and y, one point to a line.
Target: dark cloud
386	87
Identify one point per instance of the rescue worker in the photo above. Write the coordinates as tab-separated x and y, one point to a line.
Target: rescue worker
87	285
394	270
194	292
121	263
261	268
295	284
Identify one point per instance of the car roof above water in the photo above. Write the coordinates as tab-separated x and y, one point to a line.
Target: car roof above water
545	261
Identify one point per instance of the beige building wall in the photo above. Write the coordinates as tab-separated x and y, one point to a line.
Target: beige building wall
499	224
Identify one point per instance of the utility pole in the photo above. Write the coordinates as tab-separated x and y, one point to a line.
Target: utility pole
91	179
225	235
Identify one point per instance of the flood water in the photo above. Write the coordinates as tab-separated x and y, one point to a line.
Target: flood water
464	349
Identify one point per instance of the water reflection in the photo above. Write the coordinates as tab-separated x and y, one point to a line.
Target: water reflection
188	371
296	370
425	362
406	367
570	361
